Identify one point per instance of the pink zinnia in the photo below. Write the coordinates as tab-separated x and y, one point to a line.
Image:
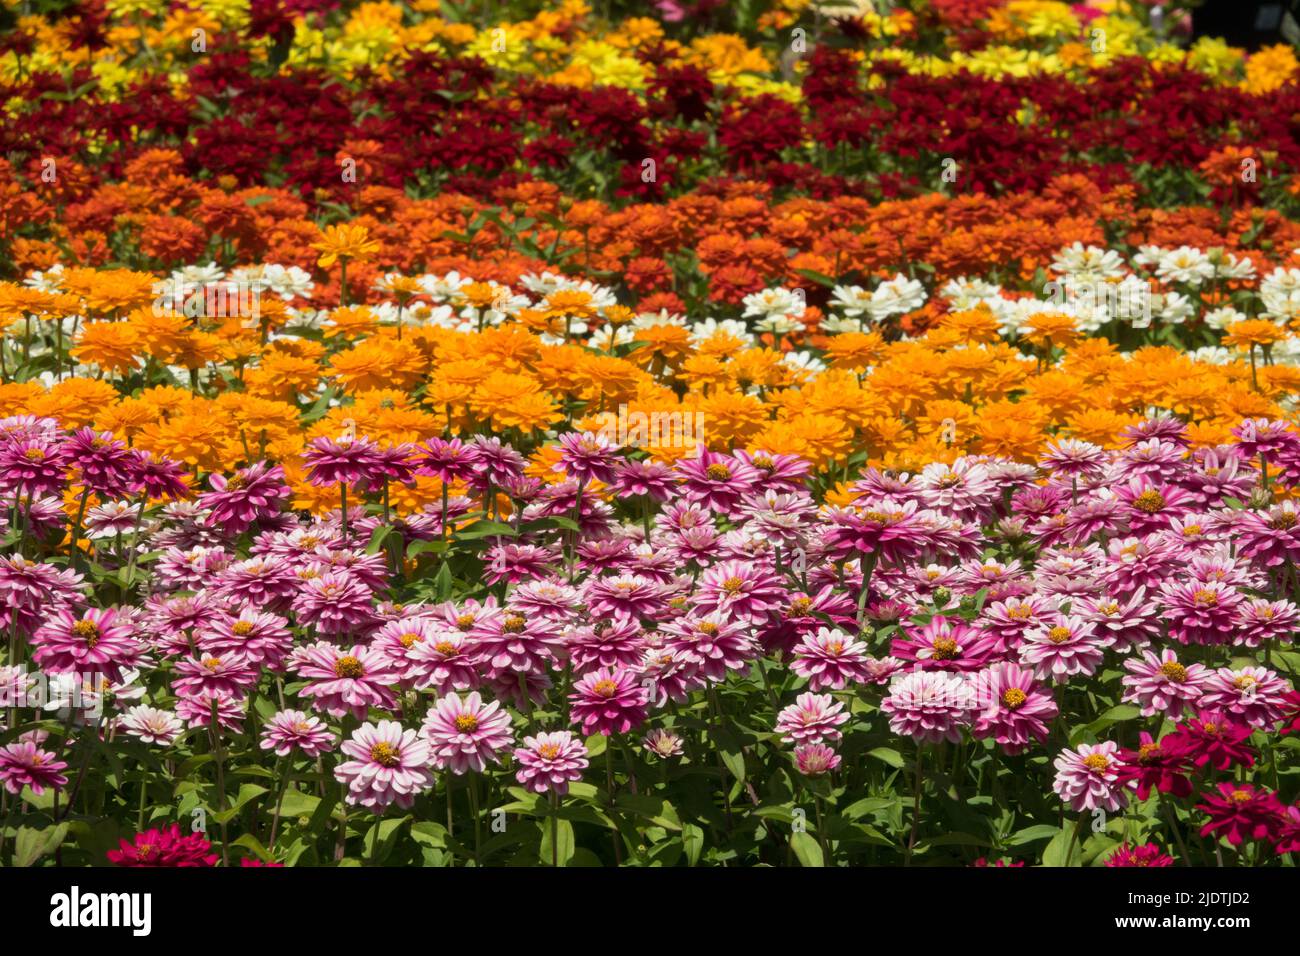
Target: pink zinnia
263	639
929	706
465	734
1072	458
346	461
230	673
96	641
587	456
947	644
815	760
1270	537
512	643
1088	777
1013	709
251	494
626	596
1068	647
346	681
608	701
1201	612
443	662
24	764
716	481
1254	695
741	589
389	764
881	527
831	658
1130	623
1162	685
335	604
713	642
1162	764
812	718
550	761
288	730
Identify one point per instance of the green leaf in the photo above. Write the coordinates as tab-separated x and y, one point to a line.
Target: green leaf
1055	854
32	844
251	842
1030	834
818	277
430	834
887	755
298	804
1119	712
487	529
692	842
807	849
657	811
564	844
377	538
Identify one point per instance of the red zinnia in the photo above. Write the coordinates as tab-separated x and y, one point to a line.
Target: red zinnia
164	848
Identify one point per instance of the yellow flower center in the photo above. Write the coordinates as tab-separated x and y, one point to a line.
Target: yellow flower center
1014	697
1203	596
1174	671
1245	682
467	723
409	638
733	585
708	628
1149	501
212	663
242	628
445	647
718	472
384	754
604	688
799	606
549	751
34	454
87	630
1096	762
945	649
1058	634
513	624
1282	521
348	666
465	622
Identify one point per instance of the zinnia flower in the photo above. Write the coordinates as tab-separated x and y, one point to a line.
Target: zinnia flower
390	764
1088	777
24	764
164	848
466	734
929	706
609	701
550	761
1241	812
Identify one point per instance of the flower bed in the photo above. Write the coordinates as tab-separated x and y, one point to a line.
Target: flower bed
693	447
